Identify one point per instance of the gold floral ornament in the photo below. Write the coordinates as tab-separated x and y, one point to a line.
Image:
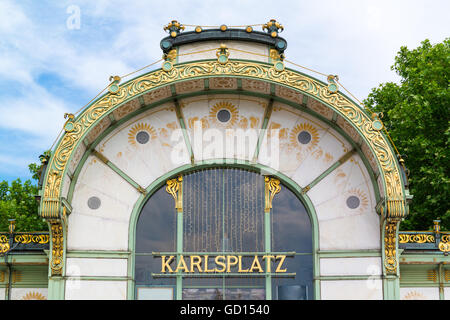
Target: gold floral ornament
57	235
174	28
357	200
332	85
416	238
277	60
33	295
175	188
376	122
69	126
414	295
304	135
272	187
169	59
273	28
224	113
390	246
222	54
114	85
4	247
141	133
444	247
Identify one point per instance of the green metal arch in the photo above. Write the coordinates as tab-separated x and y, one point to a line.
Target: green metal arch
80	127
285	180
53	206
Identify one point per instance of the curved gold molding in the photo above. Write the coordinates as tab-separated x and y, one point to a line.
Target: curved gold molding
394	207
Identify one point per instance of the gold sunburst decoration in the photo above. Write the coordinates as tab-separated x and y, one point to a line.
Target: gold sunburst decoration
414	295
307	127
33	295
224	105
138	128
363	200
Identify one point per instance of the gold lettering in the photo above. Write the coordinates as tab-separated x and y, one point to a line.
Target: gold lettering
280	264
229	264
220	263
181	265
197	263
256	264
240	265
268	264
206	265
166	264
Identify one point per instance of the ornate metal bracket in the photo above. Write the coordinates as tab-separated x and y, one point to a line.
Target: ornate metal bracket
272	187
390	246
175	188
57	249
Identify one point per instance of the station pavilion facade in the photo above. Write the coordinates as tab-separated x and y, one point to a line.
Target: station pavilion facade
224	175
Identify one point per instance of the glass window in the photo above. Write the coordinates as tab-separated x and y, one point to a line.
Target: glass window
223	214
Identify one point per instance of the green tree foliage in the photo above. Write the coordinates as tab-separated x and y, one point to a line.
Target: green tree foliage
17	202
416	114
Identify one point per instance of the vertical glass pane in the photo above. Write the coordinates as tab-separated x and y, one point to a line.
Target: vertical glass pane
145	266
299	287
291	226
156	227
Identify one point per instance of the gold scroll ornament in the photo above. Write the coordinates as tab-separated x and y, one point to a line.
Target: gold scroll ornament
272	187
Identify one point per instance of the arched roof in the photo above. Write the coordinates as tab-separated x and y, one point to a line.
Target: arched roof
244	77
279	84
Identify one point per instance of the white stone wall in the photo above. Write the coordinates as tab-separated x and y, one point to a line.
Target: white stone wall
95	290
351	289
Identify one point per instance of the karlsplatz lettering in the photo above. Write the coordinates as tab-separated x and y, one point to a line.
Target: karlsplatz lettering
192	310
222	264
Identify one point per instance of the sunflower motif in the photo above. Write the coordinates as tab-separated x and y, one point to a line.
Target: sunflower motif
414	295
224	113
304	134
32	295
357	199
137	129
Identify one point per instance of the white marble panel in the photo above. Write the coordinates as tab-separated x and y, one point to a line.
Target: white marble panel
303	162
29	293
95	290
351	289
164	151
66	186
345	206
212	139
447	293
96	267
76	157
370	266
350	233
2	293
95	132
259	49
105	227
419	293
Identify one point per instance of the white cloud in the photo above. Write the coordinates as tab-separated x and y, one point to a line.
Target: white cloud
355	39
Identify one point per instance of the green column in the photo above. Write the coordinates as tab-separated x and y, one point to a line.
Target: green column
56	286
267	250
179	292
175	188
272	187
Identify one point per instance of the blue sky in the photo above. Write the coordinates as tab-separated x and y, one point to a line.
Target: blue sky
48	68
